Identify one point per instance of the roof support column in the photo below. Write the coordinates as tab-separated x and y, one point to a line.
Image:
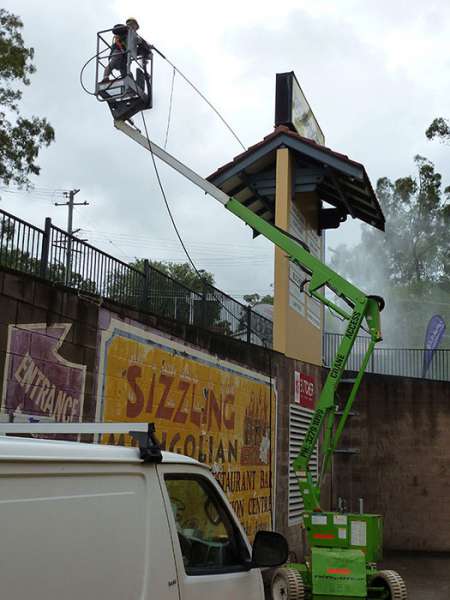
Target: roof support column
298	318
283	196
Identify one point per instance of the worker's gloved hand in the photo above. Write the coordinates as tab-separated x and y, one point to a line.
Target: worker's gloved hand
144	49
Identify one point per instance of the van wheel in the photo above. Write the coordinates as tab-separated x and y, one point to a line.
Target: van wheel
392	584
287	584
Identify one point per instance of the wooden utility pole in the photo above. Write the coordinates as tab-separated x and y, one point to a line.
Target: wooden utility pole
70	204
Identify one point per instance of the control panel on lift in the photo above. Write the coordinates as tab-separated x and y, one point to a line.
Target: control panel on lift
355	531
123	74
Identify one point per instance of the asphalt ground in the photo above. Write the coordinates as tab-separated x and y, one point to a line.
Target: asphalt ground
427	575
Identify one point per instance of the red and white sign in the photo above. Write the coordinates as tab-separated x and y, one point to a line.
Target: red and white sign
304	390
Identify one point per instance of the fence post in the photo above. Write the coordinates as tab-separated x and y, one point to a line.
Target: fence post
146	286
45	250
203	320
249	324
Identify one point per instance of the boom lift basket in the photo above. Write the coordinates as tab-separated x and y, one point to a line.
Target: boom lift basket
131	91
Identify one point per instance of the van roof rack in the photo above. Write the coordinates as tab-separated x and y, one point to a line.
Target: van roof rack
143	433
149	447
67	428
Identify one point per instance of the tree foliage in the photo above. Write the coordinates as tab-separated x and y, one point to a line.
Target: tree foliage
254	299
410	263
174	290
204	308
439	129
416	246
20	138
181	272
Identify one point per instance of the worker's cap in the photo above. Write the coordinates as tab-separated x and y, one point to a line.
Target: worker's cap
132	21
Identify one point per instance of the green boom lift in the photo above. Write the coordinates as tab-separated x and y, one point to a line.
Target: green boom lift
343	548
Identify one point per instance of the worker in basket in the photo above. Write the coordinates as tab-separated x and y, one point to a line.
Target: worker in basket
118	54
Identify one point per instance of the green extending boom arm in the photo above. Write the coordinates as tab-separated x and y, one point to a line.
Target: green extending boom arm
364	311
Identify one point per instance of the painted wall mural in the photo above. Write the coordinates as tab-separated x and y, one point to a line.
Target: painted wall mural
203	407
38	383
212	410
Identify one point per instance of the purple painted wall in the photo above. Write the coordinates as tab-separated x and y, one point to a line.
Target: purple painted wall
38	382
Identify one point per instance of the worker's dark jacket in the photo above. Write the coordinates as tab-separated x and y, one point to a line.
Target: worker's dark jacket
120	37
121	40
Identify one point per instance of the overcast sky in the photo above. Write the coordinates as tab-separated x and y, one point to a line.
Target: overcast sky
375	73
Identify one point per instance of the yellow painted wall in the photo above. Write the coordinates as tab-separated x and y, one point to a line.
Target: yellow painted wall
202	407
295	334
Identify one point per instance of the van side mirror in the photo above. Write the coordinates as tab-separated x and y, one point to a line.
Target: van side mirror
270	549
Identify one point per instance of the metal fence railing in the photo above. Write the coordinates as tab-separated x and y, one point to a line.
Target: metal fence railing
76	264
20	244
405	362
66	260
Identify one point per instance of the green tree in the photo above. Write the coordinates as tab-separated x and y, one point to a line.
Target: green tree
20	138
440	129
409	264
194	301
415	247
254	299
181	272
10	255
56	272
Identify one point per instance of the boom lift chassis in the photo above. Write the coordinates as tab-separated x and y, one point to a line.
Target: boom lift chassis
343	548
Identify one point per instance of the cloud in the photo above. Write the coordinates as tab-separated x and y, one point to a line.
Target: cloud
350	57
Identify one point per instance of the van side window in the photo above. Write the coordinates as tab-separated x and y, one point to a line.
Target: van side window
210	542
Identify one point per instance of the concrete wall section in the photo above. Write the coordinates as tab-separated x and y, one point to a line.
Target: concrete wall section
285	372
402	471
48	344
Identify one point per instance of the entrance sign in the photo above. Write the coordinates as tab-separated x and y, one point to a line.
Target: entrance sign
39	384
292	108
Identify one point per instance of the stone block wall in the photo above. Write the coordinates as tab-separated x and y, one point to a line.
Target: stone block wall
402	470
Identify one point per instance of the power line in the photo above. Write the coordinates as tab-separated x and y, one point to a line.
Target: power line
188	81
165	199
170	107
105	239
199	275
171	253
195	88
70	206
208	249
210	246
32	189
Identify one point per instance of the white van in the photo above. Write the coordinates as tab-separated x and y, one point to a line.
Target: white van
89	521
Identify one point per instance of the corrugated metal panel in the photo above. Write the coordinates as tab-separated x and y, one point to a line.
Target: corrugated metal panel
299	420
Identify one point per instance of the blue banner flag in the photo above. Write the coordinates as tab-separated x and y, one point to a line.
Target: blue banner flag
433	337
